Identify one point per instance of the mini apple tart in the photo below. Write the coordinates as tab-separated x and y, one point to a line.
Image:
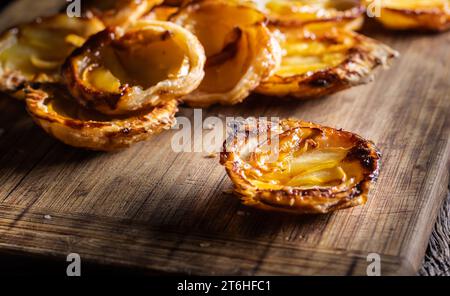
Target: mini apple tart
35	52
119	12
432	15
239	47
120	71
298	13
314	169
320	62
59	115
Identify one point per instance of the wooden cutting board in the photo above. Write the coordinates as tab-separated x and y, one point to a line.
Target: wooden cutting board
160	211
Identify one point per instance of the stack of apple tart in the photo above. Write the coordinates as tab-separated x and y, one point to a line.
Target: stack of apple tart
116	75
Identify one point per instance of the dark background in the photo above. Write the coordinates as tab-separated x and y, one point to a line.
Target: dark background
4	3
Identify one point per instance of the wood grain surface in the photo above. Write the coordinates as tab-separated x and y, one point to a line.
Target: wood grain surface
160	211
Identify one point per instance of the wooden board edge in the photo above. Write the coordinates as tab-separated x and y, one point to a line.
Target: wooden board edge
28	233
424	225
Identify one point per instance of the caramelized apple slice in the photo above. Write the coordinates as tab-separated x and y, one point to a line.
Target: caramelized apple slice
240	49
119	71
119	12
309	168
433	15
320	62
58	114
296	13
34	52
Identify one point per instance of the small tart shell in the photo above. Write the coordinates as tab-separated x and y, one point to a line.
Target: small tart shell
429	16
119	12
240	49
344	59
348	14
361	158
35	52
130	51
54	110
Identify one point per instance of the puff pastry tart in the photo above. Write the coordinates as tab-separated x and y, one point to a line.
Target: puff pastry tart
321	62
119	12
433	15
240	49
58	114
345	13
120	71
35	52
315	169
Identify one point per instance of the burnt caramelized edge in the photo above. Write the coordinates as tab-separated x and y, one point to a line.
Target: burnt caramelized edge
364	151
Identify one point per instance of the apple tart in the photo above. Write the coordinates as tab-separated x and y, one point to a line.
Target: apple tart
240	49
320	62
314	169
35	52
296	13
433	15
120	71
53	109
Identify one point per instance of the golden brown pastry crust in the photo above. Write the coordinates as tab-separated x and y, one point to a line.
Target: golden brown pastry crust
357	58
361	159
55	111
